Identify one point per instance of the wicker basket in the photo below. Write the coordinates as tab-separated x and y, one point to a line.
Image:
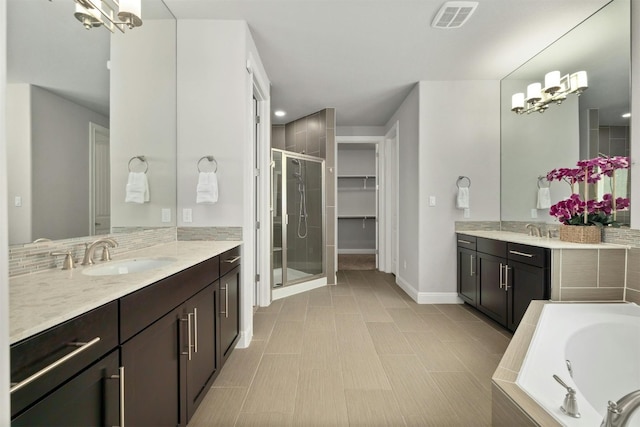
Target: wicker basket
581	233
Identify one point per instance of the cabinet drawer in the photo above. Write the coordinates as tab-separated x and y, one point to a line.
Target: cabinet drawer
42	350
530	255
229	260
466	241
492	247
143	307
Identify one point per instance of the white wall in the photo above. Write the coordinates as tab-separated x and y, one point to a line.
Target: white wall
143	120
4	243
19	169
408	116
459	135
536	143
60	156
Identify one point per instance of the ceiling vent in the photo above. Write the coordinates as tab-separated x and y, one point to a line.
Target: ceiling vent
453	14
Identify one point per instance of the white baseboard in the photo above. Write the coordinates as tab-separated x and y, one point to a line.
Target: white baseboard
245	338
428	297
287	291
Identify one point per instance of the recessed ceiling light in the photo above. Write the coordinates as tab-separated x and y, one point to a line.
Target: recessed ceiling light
626	115
279	113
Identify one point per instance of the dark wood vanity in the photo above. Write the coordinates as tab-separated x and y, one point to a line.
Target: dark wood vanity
145	359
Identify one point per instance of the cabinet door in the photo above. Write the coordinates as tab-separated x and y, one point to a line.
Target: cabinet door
492	298
525	283
91	398
467	277
202	366
151	362
229	312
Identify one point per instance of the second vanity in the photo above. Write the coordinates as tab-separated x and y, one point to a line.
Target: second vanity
127	349
500	272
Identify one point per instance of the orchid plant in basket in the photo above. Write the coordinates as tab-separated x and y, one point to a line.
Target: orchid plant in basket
577	210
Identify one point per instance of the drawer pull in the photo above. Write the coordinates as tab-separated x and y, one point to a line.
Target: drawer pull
506	278
471	272
501	276
232	260
82	347
195	330
189	339
466	242
226	300
521	254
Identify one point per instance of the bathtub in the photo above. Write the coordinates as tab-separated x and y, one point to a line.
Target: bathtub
602	343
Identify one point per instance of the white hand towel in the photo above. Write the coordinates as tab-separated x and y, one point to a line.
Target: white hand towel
137	190
207	189
544	198
462	201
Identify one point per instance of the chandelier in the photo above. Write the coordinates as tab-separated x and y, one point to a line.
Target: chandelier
110	14
555	90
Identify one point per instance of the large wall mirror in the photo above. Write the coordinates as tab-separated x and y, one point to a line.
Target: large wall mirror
67	156
581	127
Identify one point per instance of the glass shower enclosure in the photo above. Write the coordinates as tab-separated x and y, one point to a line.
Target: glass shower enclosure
298	218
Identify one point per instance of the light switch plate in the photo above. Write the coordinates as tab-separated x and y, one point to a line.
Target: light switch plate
166	215
466	213
534	213
187	215
432	200
17	201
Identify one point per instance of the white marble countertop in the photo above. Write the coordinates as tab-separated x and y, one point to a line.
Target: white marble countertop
543	242
41	300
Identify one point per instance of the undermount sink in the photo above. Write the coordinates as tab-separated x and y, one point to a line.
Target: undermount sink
126	266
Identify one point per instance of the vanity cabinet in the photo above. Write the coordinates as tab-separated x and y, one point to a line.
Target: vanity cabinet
467	269
229	305
77	363
509	277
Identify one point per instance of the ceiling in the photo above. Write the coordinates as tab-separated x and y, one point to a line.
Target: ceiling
360	56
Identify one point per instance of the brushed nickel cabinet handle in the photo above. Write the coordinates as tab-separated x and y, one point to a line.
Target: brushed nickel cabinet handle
232	260
506	278
501	276
120	377
189	339
466	242
195	330
226	301
521	254
471	272
82	346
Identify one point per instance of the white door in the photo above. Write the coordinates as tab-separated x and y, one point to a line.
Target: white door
100	181
258	200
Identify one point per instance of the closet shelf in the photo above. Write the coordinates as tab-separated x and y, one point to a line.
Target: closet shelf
371	176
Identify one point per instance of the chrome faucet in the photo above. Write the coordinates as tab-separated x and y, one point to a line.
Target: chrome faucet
534	230
91	248
618	413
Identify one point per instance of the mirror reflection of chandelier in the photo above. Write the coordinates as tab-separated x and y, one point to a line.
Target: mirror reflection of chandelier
555	90
110	14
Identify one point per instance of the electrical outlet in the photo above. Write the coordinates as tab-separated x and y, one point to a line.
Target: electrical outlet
466	213
166	215
534	213
17	201
187	215
432	200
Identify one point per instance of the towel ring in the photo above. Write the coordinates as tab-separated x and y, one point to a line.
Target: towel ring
462	178
541	180
211	159
142	159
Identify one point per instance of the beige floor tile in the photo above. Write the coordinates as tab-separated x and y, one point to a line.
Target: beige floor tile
373	408
267	419
220	407
294	307
457	312
274	307
321	318
320	399
320	298
285	338
490	339
353	335
345	304
434	354
241	366
478	361
320	350
389	298
406	319
388	339
363	371
420	399
274	385
263	325
473	402
424	308
370	307
444	328
339	289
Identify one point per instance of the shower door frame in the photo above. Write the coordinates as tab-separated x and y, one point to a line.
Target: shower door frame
285	222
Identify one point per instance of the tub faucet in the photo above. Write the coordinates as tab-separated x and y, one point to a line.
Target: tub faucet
534	230
618	413
91	248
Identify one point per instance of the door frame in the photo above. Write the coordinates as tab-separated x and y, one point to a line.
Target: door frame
94	128
391	173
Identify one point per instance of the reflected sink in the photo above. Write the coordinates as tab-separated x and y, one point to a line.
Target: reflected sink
126	266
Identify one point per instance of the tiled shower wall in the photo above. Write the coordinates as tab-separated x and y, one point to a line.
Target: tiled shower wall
315	135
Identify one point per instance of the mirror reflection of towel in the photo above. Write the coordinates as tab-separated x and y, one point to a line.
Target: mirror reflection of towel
137	190
207	189
544	198
462	201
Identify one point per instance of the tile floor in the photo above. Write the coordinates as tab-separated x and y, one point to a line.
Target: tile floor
361	353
